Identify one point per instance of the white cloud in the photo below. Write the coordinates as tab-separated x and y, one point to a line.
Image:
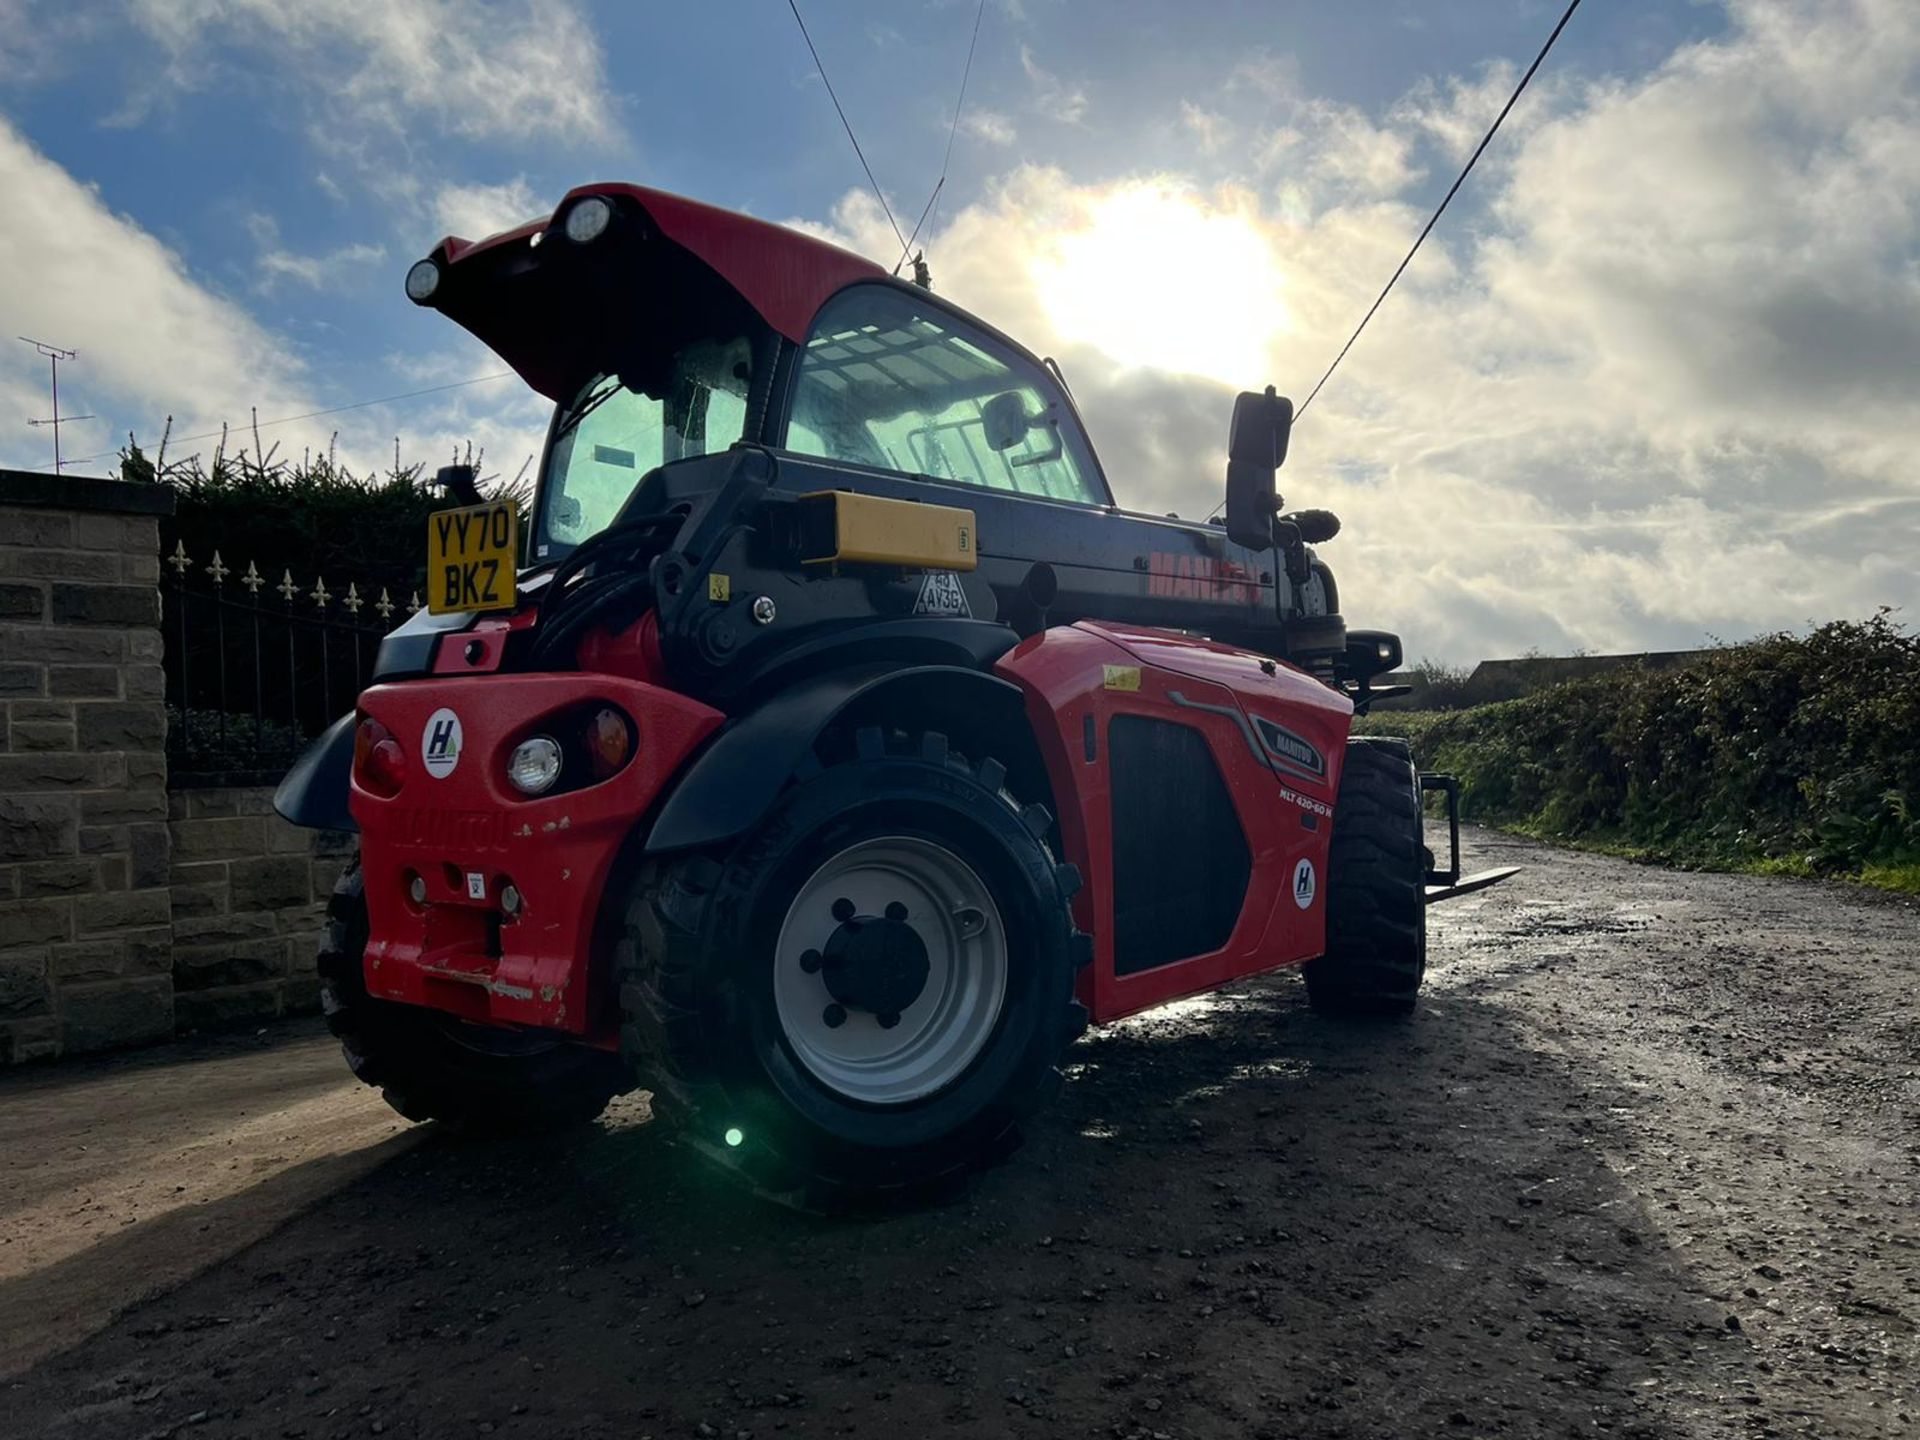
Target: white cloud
988	125
1053	97
1210	129
530	70
1653	384
474	212
317	272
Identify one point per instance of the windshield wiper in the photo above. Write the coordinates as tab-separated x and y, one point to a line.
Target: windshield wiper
586	407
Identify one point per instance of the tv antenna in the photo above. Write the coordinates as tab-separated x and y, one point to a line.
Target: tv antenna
54	355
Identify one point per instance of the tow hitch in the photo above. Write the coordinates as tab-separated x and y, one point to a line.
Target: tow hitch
1448	883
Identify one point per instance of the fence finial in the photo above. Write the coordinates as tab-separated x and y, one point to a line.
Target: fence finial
253	580
319	591
286	587
181	564
384	604
413	600
353	602
218	571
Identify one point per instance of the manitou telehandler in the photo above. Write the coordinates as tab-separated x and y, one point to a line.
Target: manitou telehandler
831	747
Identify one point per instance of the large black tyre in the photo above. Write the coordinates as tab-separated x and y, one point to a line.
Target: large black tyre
705	1026
1376	887
431	1066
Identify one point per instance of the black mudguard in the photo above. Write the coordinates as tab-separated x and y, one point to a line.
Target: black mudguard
314	792
735	781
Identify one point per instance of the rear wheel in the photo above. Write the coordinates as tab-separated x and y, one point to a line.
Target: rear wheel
871	991
429	1065
1376	887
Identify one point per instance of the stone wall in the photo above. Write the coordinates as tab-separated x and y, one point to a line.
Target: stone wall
86	939
249	898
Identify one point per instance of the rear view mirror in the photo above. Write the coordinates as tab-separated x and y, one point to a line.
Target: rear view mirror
1256	447
1006	421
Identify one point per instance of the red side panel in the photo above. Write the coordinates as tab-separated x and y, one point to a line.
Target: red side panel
466	833
1079	678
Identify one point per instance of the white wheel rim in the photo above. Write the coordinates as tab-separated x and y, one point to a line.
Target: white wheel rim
941	1032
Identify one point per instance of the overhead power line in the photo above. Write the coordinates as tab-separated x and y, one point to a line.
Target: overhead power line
946	160
330	410
1452	190
846	124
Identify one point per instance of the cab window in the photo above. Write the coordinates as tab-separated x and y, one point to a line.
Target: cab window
890	381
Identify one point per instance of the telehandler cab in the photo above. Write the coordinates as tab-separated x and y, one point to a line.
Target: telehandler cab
831	748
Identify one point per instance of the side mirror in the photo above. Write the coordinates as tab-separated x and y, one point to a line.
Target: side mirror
1256	448
459	482
1005	420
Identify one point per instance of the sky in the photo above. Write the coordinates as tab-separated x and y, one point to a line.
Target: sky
1654	382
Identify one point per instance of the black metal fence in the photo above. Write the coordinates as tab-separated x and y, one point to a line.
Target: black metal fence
253	669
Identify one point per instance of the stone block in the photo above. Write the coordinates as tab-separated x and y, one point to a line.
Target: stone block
239	835
193	901
138	725
35	922
34	827
59	565
219	801
22	600
42	529
114	874
103	839
81	603
84	961
150	952
123	807
147	769
24	989
60	645
214	967
24	1040
301	995
119	1012
25	774
123	911
271	884
86	682
146	645
137	533
326	874
198	872
59	877
22	681
149	854
32	736
215	1009
42	712
140	569
143	682
9	882
226	929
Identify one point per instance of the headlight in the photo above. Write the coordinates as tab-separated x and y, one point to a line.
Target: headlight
534	765
589	220
422	280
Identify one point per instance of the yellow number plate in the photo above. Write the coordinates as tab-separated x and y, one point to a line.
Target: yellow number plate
471	555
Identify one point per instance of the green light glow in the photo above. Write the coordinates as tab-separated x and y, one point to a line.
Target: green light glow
735	1135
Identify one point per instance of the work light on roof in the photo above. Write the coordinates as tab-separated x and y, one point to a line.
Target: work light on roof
589	220
422	280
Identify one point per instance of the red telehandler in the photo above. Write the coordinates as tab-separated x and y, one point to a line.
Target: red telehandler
831	748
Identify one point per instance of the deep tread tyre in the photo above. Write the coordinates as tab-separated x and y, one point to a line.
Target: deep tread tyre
697	986
1376	888
429	1066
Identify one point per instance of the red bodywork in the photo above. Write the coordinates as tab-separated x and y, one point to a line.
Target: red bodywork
459	952
1065	675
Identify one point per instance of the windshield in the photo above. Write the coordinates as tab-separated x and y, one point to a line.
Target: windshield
613	432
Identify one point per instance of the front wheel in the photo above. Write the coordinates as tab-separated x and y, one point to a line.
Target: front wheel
871	991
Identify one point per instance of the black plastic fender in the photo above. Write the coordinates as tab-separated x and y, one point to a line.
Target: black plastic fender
314	792
735	780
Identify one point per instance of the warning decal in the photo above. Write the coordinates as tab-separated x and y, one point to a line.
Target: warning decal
1303	884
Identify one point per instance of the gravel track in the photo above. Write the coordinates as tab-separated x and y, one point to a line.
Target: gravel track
1644	1164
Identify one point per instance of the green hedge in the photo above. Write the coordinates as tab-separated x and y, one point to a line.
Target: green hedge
1792	753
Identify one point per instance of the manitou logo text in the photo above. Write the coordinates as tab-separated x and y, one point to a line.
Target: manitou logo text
440	743
1199	577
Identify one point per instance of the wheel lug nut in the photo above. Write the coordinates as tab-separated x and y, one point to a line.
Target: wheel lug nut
835	1016
896	911
810	961
889	1019
843	910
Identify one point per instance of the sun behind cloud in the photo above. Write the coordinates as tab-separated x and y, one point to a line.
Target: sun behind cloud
1157	276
